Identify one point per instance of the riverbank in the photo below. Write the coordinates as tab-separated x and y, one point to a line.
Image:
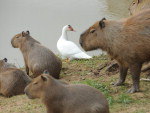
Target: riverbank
91	72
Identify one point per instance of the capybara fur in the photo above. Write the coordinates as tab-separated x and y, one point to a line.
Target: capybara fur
37	58
4	64
139	5
125	40
12	80
66	98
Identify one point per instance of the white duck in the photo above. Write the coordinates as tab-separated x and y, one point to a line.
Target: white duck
68	49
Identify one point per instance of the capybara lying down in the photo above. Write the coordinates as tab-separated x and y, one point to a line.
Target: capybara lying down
12	80
127	41
4	64
37	58
139	5
64	98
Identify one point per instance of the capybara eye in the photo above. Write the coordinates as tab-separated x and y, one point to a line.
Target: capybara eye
35	83
133	3
17	37
92	31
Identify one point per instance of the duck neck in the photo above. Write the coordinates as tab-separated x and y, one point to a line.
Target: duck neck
64	34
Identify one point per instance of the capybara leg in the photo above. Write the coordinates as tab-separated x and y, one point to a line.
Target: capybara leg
27	70
49	110
56	76
135	72
122	76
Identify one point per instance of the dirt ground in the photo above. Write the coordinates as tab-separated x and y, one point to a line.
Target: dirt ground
92	72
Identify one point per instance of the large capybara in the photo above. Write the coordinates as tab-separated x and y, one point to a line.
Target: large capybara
66	98
126	40
138	5
12	80
37	58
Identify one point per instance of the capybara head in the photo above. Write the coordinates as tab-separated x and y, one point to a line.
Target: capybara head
92	38
38	86
18	39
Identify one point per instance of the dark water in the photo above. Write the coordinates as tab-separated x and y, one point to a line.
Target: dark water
45	19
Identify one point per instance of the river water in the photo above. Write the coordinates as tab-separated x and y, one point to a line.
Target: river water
45	19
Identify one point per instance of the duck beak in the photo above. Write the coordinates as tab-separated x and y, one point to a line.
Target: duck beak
71	29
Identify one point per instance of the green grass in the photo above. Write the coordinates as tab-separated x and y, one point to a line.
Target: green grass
88	72
107	91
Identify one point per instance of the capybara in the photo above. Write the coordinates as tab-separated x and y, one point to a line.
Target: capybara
135	7
12	80
66	98
4	64
138	5
37	58
125	40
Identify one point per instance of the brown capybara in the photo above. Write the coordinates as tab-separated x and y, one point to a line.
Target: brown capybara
138	5
126	41
12	80
37	58
135	7
61	98
4	64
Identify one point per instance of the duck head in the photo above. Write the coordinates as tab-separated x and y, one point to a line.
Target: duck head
68	28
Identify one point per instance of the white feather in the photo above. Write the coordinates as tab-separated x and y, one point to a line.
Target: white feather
69	49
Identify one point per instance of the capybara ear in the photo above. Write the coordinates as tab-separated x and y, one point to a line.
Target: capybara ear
139	1
28	32
44	78
46	72
5	59
102	23
23	33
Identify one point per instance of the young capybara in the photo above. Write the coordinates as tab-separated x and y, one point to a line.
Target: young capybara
66	98
138	5
12	80
126	41
37	58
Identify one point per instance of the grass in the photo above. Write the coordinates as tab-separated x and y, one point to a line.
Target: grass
91	72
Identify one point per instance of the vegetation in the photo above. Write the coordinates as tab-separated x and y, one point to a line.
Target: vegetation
91	72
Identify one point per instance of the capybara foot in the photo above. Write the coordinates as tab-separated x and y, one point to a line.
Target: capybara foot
133	90
145	79
119	83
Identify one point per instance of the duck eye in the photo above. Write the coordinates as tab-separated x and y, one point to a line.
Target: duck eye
92	31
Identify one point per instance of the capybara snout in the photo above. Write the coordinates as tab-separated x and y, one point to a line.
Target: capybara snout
90	39
18	39
36	86
27	93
